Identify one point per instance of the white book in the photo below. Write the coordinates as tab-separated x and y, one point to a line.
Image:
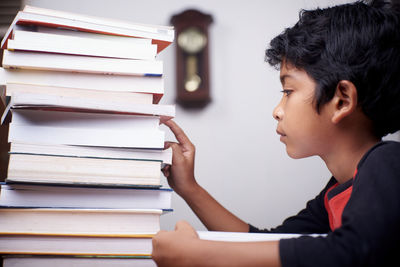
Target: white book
47	101
161	35
53	43
76	63
87	81
64	245
164	155
33	168
78	17
248	237
64	261
91	35
59	196
87	222
90	129
97	95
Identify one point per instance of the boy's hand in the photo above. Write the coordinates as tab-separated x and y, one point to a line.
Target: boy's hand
182	248
174	248
180	174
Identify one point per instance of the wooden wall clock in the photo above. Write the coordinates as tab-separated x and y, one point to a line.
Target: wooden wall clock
192	58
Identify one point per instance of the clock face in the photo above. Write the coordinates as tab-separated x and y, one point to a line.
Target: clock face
192	40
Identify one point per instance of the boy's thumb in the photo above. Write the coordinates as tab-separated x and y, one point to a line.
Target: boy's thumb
176	150
181	225
184	226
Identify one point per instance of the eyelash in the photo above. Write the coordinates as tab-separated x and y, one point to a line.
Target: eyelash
287	92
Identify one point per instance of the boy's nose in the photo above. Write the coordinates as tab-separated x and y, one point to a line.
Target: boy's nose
278	112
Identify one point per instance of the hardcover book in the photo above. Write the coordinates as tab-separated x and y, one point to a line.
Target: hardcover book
90	196
79	222
77	261
73	45
160	35
77	63
82	128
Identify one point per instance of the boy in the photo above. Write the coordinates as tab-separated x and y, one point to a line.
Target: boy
341	94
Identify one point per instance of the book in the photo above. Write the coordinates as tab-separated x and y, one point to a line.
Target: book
64	44
77	63
164	155
248	237
76	261
77	33
89	129
83	222
97	95
88	81
88	104
63	245
160	35
73	170
58	196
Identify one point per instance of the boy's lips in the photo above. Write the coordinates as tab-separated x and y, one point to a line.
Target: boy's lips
279	132
282	135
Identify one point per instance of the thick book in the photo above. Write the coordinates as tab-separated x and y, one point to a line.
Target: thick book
160	35
87	81
84	94
162	155
29	195
73	170
90	129
87	222
88	104
77	63
63	245
55	43
77	261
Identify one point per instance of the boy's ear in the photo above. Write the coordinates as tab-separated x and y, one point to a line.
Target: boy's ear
345	100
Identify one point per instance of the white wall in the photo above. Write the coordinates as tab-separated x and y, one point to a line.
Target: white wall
239	157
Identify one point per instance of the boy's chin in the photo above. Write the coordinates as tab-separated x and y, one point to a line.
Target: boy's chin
295	154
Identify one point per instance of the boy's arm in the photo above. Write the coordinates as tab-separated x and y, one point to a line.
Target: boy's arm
181	178
182	247
212	214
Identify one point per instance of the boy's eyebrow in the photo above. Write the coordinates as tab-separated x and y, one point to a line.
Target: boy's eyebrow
283	78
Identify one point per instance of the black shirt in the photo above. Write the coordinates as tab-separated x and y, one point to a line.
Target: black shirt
369	234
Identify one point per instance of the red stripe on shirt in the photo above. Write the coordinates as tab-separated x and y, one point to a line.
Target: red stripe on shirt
336	204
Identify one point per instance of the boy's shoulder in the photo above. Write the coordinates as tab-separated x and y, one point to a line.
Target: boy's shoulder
380	167
385	153
386	146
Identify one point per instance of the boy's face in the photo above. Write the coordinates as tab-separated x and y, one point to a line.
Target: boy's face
304	132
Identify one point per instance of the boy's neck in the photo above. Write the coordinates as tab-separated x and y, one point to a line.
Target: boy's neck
343	159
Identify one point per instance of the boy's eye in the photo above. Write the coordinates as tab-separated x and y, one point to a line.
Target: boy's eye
286	92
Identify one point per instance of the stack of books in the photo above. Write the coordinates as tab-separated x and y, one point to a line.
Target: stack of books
83	185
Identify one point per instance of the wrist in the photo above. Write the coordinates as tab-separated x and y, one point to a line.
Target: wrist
190	191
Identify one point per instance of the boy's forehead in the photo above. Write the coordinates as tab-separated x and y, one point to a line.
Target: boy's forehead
287	67
294	75
288	70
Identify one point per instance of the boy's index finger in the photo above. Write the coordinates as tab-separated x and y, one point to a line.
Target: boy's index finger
180	135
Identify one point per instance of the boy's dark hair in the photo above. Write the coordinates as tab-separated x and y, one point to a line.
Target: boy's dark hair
358	42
